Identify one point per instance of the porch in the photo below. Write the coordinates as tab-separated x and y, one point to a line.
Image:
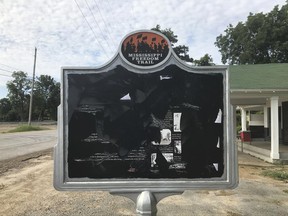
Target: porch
260	93
262	150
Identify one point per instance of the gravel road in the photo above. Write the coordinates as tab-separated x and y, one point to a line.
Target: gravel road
22	143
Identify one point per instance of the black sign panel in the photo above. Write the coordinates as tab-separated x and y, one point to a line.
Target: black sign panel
166	124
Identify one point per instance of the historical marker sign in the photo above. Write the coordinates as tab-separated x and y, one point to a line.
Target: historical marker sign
145	120
144	49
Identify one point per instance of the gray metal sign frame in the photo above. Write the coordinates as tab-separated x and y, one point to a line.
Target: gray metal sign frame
228	180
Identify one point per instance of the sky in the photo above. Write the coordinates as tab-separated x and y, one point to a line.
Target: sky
89	32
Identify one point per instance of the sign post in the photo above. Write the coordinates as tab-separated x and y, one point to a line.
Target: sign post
146	125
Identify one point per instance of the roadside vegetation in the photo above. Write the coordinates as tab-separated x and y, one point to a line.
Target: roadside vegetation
24	128
278	174
14	127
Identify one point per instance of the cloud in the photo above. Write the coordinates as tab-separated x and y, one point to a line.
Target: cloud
63	37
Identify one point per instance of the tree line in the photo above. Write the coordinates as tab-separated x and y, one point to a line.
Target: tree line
182	50
46	98
261	39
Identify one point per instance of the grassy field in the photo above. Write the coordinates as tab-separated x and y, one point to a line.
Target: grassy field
11	127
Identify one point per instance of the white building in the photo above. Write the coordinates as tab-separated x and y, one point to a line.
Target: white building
261	93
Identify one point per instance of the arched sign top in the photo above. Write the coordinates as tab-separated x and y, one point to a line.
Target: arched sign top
145	49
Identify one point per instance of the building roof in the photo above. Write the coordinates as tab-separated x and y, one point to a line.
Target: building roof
259	76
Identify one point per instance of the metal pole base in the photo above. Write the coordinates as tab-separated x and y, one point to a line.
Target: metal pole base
146	201
146	204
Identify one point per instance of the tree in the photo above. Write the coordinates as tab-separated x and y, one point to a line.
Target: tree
206	60
18	93
263	38
54	101
5	107
7	113
47	97
180	50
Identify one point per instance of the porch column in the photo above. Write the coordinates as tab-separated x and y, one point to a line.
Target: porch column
243	119
274	127
266	127
282	119
281	139
234	123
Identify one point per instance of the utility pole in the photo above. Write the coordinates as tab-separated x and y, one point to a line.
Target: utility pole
31	96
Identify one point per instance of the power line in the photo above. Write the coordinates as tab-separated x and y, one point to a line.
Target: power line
17	69
9	66
109	27
113	17
91	29
6	70
13	72
5	75
98	25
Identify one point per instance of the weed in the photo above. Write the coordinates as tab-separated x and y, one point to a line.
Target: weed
276	174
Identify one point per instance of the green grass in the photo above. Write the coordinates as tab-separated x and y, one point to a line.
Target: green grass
276	174
24	128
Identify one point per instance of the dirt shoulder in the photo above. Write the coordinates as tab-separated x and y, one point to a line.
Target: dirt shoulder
21	162
26	188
